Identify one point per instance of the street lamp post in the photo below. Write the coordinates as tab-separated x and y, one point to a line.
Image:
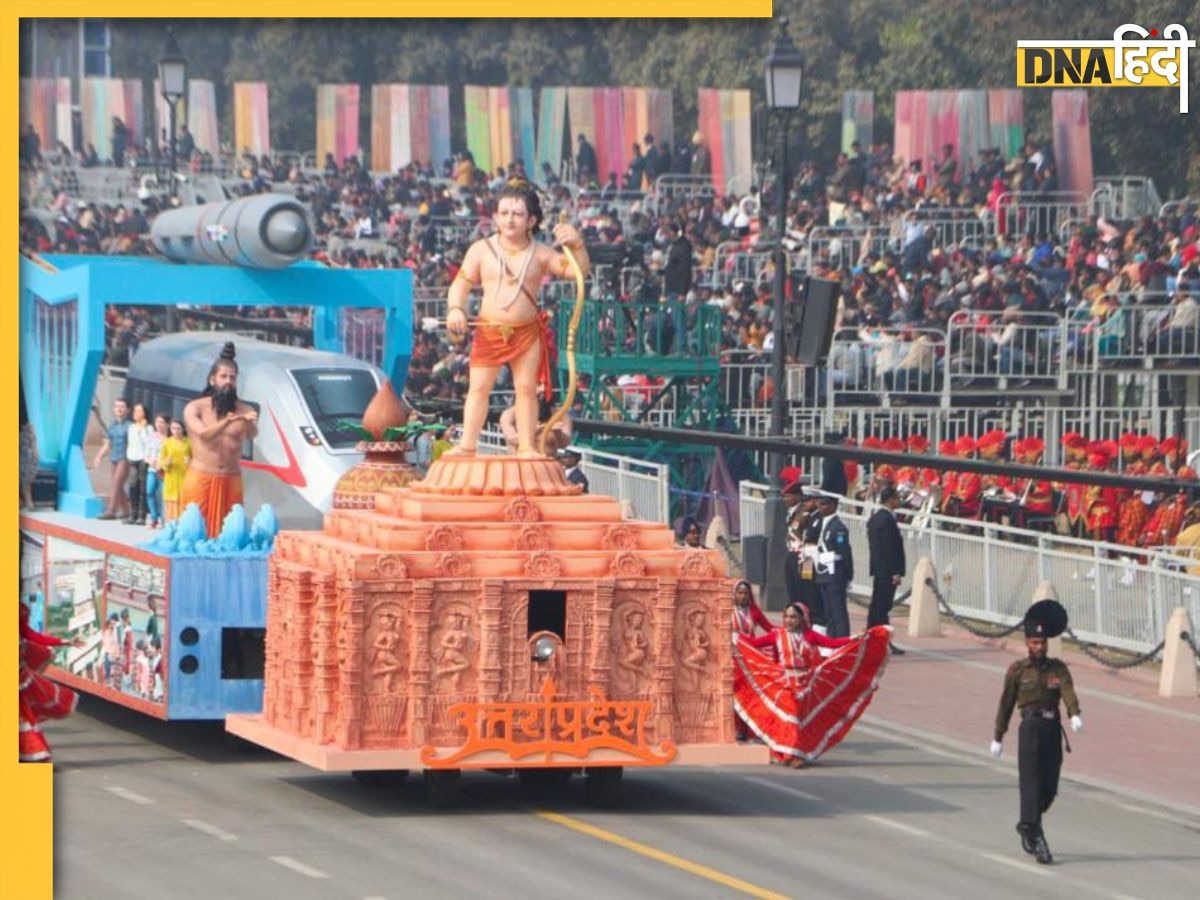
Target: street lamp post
784	76
172	82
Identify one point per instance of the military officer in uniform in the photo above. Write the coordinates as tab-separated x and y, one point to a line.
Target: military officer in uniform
835	566
1037	685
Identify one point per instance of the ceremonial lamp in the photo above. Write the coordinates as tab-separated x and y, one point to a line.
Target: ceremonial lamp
172	82
784	74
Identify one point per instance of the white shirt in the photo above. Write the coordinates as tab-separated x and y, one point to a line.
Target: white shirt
135	449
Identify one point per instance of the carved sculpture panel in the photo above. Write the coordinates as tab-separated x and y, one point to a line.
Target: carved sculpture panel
632	650
533	537
627	564
542	565
444	537
522	509
697	671
619	537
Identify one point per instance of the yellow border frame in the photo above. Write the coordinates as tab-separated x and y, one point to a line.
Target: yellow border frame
26	827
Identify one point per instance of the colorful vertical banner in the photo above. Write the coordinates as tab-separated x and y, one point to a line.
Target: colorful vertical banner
251	118
135	107
500	127
410	123
202	116
524	134
726	131
41	103
581	112
612	153
100	99
162	116
439	125
1006	119
479	142
1072	130
337	122
974	132
551	126
858	119
660	116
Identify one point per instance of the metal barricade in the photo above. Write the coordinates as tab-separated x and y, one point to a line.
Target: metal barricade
1038	213
363	333
1148	336
1178	207
953	228
1028	347
732	264
1124	197
683	187
989	572
843	246
645	485
901	361
743	385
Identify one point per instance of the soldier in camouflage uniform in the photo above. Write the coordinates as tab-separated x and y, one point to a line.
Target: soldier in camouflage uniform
1037	685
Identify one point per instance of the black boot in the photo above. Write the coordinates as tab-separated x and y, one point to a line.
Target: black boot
1042	850
1027	840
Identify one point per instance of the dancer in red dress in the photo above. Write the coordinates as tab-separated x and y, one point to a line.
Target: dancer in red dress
799	704
748	616
40	698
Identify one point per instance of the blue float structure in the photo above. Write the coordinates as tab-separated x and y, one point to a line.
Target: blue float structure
62	302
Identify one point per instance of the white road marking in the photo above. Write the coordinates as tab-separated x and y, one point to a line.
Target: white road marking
296	866
200	825
766	782
131	796
1015	863
899	826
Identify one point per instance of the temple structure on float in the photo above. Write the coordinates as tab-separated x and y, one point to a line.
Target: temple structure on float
490	616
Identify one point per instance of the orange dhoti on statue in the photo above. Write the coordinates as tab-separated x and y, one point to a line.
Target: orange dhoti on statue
214	494
495	344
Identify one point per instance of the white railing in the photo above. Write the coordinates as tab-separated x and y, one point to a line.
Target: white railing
646	485
1142	332
844	245
908	361
990	572
1033	347
1178	207
1124	196
1039	213
952	226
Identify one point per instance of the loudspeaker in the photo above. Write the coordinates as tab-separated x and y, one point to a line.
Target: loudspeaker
754	558
818	312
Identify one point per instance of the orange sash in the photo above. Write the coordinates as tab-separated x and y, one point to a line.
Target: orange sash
214	494
495	344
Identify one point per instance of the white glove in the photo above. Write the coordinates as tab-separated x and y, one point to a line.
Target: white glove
997	749
1076	724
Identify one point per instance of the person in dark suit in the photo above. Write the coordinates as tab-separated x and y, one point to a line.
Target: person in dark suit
570	459
887	558
835	566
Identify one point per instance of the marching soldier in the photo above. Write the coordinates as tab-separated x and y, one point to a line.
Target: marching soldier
1037	685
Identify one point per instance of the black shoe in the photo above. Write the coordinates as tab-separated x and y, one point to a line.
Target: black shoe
1027	843
107	516
1042	850
129	521
897	651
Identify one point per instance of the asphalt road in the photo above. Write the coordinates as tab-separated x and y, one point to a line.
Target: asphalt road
151	809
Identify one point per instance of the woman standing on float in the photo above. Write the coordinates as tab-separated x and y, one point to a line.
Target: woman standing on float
510	265
799	704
